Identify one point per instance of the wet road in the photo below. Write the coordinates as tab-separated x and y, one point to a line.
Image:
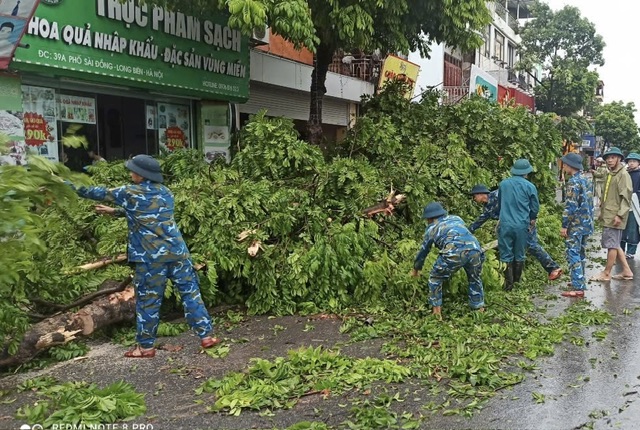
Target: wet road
596	385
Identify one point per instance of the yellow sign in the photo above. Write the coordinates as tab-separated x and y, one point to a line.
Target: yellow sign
402	70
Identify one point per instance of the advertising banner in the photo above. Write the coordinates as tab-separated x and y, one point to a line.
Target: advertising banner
76	109
14	16
396	68
112	40
513	95
483	84
39	119
14	149
215	131
173	126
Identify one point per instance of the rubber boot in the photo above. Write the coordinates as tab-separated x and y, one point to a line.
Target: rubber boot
508	277
518	267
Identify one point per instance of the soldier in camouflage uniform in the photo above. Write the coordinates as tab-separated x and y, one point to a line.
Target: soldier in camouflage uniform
489	199
158	251
458	248
577	221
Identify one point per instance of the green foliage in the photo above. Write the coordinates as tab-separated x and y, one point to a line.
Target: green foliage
565	45
572	128
280	383
567	90
616	123
555	36
80	403
375	414
26	194
391	25
318	252
327	26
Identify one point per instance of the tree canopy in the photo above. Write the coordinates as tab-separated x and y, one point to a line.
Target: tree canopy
325	26
566	45
616	123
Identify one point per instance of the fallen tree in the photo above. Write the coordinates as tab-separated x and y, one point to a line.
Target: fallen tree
65	327
281	229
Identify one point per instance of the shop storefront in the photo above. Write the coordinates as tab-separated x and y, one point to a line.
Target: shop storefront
120	79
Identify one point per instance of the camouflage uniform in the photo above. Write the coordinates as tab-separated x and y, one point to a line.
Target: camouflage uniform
578	220
159	251
458	248
492	211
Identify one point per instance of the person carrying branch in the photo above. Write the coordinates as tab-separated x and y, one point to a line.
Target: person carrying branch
458	249
577	222
156	247
481	194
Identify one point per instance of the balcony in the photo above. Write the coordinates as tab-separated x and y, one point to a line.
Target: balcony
453	95
357	65
507	17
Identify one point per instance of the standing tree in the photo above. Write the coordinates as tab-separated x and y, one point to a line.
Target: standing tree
324	26
616	123
566	45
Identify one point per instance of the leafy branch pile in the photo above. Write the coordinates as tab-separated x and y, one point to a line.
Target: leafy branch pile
279	384
80	403
300	211
455	365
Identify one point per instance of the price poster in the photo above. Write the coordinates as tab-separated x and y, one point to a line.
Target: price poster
39	120
175	139
174	123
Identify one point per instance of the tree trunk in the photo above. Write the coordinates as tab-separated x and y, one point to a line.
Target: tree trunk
321	61
62	328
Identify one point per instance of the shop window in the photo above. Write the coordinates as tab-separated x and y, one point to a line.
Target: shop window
77	128
122	127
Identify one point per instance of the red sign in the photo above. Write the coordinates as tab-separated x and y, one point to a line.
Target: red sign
36	129
513	95
175	138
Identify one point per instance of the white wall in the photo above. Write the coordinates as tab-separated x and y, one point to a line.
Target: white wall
272	70
431	69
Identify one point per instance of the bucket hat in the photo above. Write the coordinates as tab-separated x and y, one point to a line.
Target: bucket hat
613	151
633	156
574	160
145	166
433	210
521	167
479	189
600	160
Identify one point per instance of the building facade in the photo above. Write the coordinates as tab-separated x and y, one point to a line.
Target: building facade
488	71
122	78
281	82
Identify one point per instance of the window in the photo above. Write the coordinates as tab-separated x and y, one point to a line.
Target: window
498	47
486	47
511	55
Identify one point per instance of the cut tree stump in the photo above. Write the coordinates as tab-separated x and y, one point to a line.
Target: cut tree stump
65	327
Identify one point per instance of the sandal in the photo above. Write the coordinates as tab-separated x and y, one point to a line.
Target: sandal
555	274
209	342
139	352
622	277
600	278
573	293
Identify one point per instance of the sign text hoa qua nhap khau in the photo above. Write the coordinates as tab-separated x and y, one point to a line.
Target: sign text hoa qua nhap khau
132	13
